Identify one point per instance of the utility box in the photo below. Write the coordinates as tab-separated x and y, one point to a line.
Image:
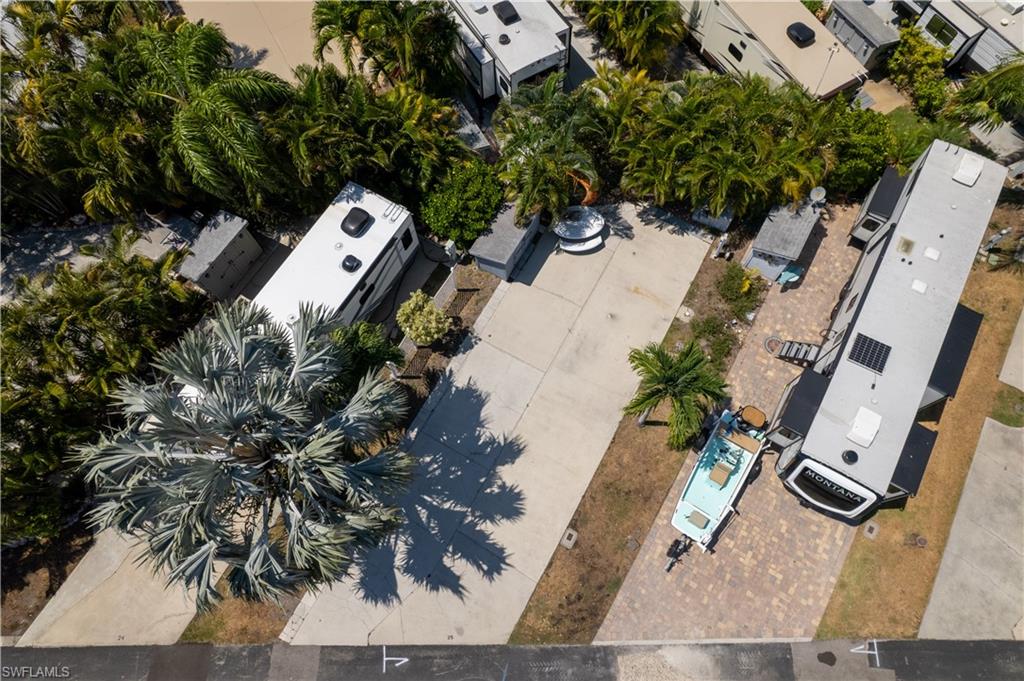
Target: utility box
221	256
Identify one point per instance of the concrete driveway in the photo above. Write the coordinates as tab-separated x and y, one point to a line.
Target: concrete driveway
110	599
508	443
978	591
274	36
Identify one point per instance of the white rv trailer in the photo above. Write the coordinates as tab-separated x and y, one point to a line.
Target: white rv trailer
350	259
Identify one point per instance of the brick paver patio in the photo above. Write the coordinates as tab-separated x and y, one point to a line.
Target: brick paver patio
775	564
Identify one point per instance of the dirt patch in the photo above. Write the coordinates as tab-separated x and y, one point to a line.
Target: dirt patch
886	582
236	621
612	520
32	573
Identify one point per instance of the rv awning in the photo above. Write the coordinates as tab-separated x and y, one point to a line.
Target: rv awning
955	351
914	459
887	193
804	401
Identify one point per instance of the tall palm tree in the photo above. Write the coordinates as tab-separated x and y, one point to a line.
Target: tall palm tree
640	32
214	134
399	41
685	378
992	98
544	161
237	456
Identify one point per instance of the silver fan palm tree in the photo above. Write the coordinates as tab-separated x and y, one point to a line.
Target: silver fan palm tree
244	455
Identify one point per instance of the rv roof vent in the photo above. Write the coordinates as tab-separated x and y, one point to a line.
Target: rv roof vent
919	286
351	263
504	39
865	427
478	6
1011	6
850	456
355	222
800	33
507	14
932	253
969	170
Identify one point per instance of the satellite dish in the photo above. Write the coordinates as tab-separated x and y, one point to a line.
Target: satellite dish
818	194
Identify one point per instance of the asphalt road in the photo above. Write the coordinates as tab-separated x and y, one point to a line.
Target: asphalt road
847	660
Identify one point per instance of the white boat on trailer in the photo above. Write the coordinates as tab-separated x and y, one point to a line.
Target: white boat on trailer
720	473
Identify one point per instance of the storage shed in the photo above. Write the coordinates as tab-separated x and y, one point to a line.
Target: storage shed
863	30
781	239
500	250
221	255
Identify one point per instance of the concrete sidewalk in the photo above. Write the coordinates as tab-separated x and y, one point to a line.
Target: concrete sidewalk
1013	366
979	591
508	442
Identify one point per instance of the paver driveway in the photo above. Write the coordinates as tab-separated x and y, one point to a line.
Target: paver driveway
508	443
775	563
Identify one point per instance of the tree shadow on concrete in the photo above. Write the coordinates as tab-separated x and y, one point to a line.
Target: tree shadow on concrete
456	497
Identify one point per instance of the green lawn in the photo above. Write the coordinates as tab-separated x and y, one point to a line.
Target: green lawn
1009	407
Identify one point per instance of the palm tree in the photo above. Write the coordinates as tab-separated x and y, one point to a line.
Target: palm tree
214	134
992	98
238	456
400	41
640	32
685	378
544	161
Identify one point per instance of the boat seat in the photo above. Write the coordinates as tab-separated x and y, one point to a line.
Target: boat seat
754	416
720	473
698	519
744	441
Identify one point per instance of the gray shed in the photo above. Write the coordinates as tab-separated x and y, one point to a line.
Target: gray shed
501	249
781	239
221	255
862	28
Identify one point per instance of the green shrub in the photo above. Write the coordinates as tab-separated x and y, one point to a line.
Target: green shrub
813	5
913	134
463	205
716	337
919	68
863	141
421	320
741	290
366	350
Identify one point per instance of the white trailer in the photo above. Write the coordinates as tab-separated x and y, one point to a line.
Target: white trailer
350	259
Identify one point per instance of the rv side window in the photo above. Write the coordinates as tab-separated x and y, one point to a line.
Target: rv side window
366	295
735	52
407	238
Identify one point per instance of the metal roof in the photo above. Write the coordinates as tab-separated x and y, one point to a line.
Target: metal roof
502	239
785	231
866	20
211	241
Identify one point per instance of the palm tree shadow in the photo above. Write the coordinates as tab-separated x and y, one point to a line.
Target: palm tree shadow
244	57
455	500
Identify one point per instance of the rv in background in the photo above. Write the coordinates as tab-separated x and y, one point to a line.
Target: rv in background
350	260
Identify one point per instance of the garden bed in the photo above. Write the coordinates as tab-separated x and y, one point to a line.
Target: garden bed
623	498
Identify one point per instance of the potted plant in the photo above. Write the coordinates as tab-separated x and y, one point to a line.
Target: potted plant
421	320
